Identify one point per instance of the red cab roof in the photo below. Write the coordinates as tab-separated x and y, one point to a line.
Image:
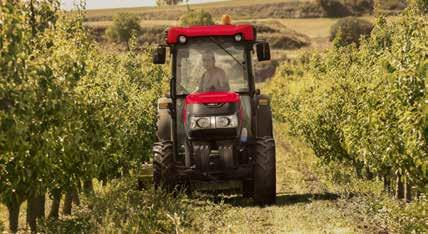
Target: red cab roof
246	30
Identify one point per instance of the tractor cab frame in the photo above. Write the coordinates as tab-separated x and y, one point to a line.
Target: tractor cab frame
215	125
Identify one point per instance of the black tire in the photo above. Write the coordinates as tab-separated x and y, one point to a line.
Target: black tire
163	165
265	172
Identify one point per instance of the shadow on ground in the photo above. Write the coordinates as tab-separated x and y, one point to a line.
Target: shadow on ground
281	199
291	199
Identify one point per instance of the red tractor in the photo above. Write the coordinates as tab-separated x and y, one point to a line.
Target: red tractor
215	125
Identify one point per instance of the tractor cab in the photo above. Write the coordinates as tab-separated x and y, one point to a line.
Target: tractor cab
214	123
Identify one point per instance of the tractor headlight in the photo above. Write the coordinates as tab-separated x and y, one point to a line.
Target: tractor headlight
203	122
229	121
200	122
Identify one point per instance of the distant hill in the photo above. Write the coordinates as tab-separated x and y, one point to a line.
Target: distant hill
240	9
256	9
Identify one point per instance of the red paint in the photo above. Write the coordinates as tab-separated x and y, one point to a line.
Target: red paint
246	30
212	97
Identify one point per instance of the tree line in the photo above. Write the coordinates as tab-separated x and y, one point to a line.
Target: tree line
362	107
69	110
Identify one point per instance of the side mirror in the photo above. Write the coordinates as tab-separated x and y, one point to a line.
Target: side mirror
159	55
263	51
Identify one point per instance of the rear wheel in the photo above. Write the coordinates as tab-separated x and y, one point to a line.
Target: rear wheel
265	172
163	163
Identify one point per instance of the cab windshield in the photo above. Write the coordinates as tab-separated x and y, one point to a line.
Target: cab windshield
211	65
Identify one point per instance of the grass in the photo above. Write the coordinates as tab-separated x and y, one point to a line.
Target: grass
308	201
304	203
116	208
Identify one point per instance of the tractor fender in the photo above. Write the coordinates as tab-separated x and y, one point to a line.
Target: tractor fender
263	121
164	121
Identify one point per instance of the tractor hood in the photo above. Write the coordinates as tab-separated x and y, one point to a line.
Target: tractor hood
212	115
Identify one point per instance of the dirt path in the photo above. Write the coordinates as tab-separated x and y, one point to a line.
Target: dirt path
304	205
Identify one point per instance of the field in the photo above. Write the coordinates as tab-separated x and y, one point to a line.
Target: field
347	161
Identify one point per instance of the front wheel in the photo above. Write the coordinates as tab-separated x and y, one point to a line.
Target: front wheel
163	163
265	172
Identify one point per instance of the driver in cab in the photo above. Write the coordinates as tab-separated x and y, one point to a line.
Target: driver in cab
214	78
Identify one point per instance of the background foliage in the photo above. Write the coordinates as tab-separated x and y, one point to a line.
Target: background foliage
124	26
168	2
68	111
350	30
71	111
364	107
196	17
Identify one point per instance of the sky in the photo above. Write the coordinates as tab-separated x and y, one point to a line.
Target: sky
100	4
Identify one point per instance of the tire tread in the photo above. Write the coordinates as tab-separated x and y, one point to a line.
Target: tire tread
265	172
